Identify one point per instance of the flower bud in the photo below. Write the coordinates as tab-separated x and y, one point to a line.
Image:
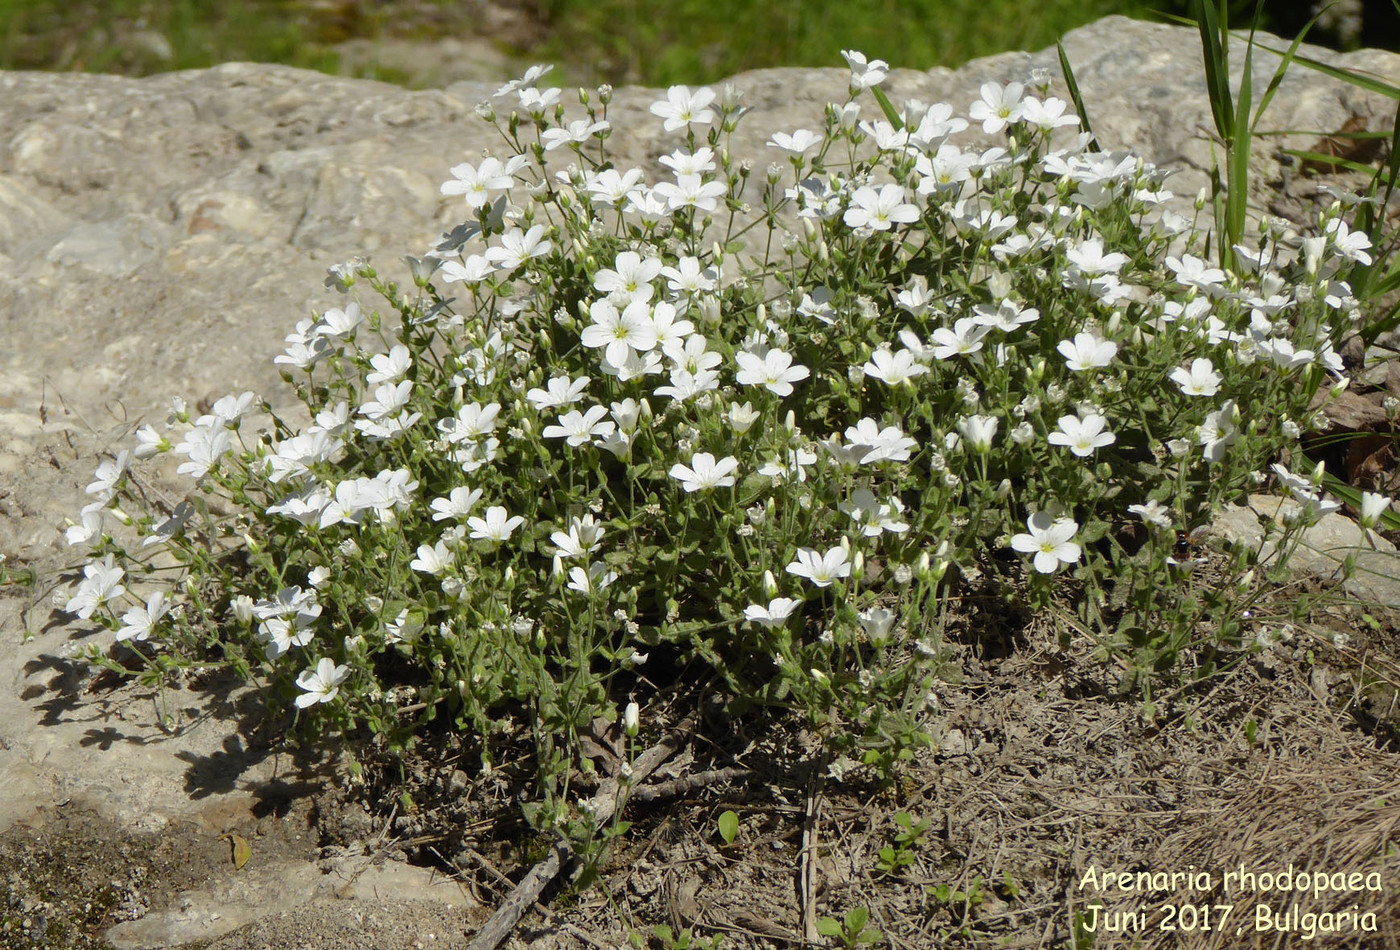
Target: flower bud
858	567
770	585
242	607
631	720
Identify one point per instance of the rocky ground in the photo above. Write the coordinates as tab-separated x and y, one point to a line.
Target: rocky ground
158	237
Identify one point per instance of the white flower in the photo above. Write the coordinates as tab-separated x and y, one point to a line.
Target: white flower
108	476
687	279
865	73
336	324
1087	351
321	684
964	339
101	583
518	246
1200	380
457	504
496	526
999	106
611	187
559	392
619	334
580	428
893	368
1049	540
630	280
1082	436
139	622
741	417
585	537
874	516
704	472
798	143
435	560
691	191
821	569
877	622
1047	115
1152	513
682	108
593	579
388	368
773	371
979	431
1372	507
204	445
576	133
1090	260
1350	244
1194	272
880	445
880	210
777	612
795	464
1219	431
477	182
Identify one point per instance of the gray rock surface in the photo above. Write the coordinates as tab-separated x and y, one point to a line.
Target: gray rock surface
159	237
1322	550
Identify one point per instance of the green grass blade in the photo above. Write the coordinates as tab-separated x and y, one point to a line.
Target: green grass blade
1392	168
1217	69
1237	155
1349	76
1283	64
1320	158
888	108
1076	98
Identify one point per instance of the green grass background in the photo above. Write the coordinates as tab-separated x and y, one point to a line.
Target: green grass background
645	41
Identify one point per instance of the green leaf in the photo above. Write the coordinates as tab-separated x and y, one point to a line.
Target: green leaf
828	927
1351	77
728	826
1283	64
1076	98
1323	159
1217	69
888	108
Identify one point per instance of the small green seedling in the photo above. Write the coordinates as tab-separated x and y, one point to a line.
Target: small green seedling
894	858
851	932
728	826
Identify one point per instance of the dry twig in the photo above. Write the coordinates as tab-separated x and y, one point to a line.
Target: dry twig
603	805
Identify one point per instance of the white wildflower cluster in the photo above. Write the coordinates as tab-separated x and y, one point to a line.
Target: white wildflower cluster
620	414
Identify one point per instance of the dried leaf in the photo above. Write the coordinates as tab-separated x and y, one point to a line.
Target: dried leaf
240	848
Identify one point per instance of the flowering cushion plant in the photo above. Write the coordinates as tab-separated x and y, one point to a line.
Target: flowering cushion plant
762	426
